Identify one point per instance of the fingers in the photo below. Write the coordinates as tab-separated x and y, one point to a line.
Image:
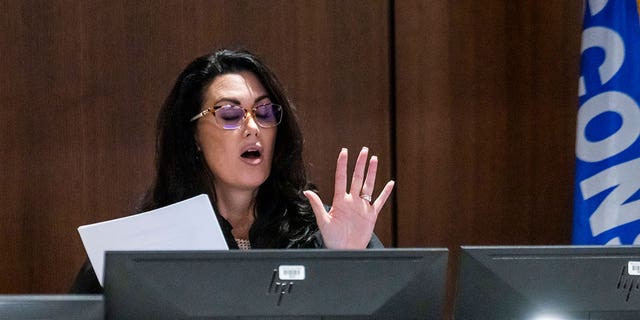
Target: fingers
359	184
369	182
322	217
340	186
358	172
384	195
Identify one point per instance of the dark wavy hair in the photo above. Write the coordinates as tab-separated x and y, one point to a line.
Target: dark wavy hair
283	216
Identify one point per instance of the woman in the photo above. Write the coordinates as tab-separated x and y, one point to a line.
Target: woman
228	130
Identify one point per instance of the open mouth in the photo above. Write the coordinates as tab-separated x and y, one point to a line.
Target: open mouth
251	154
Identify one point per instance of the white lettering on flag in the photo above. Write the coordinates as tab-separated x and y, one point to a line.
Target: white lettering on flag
607	197
595	6
609	41
612	211
611	101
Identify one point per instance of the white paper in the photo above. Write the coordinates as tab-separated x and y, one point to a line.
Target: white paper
187	225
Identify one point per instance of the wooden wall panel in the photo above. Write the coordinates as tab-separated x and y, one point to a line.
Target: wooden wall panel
424	124
13	90
82	82
486	109
485	121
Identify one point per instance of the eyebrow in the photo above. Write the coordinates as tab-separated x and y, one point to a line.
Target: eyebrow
237	102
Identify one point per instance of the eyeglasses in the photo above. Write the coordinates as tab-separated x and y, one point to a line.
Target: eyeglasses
231	117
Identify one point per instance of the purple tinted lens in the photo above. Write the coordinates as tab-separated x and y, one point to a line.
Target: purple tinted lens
230	117
268	115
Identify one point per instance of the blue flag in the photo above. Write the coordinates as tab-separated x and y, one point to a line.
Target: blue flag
607	185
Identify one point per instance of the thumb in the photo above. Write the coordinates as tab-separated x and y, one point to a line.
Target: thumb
322	217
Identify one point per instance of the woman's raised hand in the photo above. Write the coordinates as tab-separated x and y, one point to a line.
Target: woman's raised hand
350	221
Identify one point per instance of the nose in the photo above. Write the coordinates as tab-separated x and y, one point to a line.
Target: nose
251	126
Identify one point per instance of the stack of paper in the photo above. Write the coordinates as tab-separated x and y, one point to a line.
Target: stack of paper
187	225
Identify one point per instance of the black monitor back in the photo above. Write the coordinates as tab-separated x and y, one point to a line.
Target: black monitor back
51	307
276	284
566	282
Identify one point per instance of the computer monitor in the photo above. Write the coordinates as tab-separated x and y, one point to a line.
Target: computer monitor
548	282
276	284
51	307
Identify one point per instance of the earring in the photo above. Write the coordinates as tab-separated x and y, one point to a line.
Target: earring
198	151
